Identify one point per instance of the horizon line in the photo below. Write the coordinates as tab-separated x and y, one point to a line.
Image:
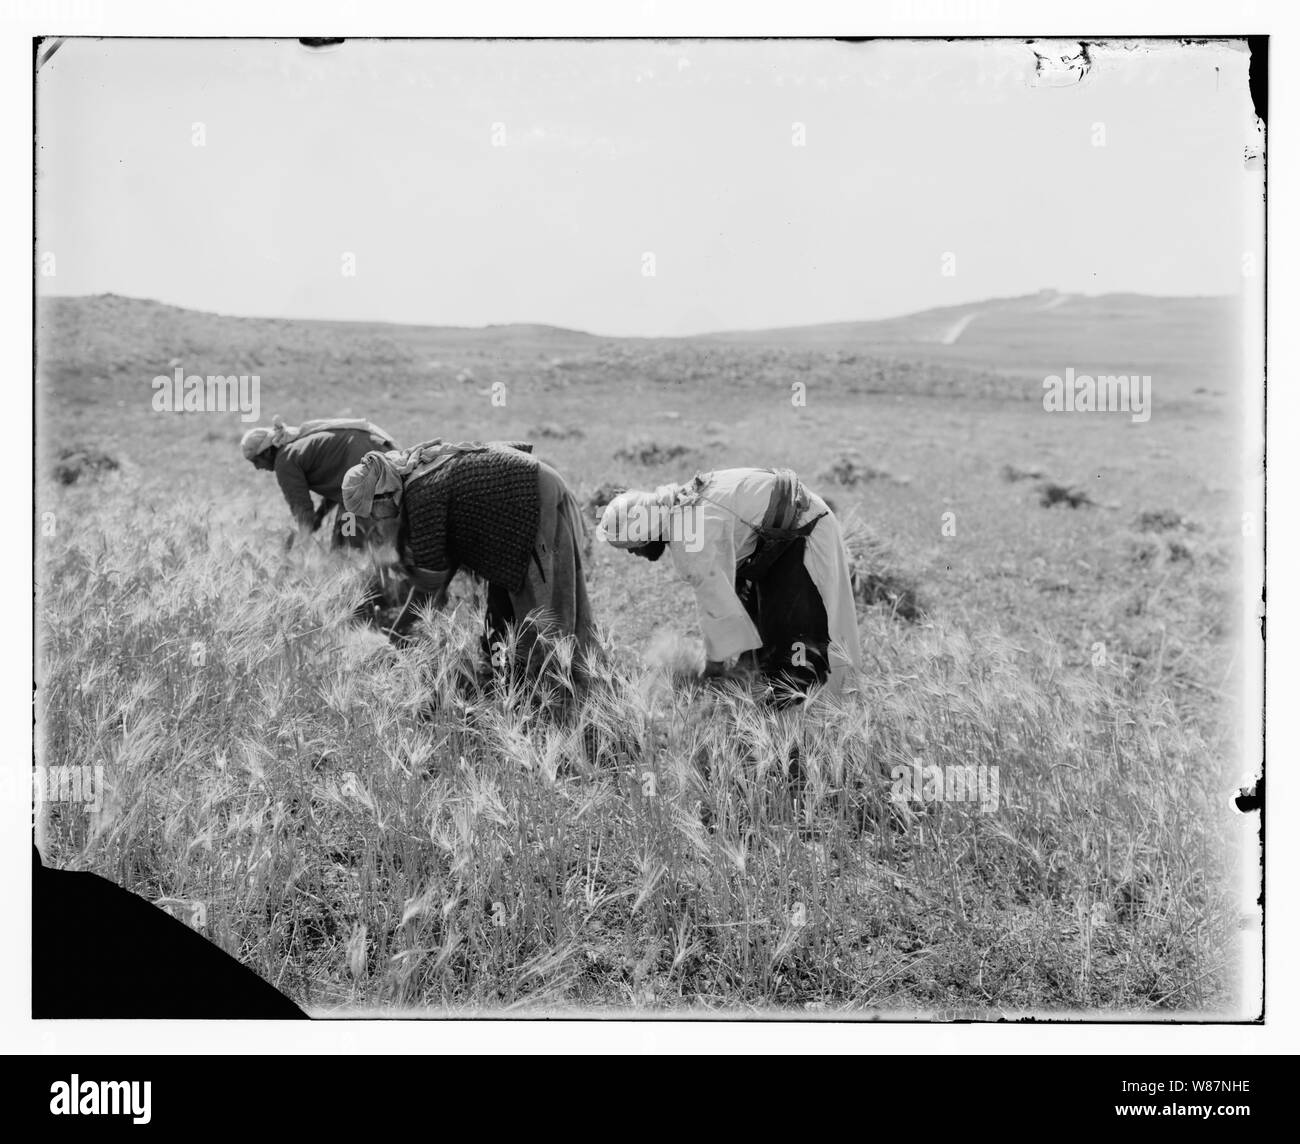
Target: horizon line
730	331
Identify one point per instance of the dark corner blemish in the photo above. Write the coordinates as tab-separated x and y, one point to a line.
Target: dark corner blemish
1250	799
1258	47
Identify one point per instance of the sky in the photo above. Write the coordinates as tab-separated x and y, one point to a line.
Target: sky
637	187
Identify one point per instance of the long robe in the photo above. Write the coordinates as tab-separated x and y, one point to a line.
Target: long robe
553	592
721	536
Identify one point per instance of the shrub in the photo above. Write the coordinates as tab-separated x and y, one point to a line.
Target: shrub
1050	493
75	462
879	578
649	452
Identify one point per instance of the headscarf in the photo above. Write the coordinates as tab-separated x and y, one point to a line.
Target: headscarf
258	440
378	474
636	517
255	441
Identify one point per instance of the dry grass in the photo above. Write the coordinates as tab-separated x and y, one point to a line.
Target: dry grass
369	828
879	577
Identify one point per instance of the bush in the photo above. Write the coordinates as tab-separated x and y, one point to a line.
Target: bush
555	432
878	577
1050	493
1164	520
76	462
850	470
649	452
1021	472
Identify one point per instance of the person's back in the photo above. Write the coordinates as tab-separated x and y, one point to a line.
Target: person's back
766	558
500	512
732	502
317	463
479	510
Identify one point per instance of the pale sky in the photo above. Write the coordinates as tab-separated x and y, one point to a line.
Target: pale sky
618	149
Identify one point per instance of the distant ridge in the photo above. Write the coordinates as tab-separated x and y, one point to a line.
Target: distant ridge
945	325
1188	346
145	307
940	325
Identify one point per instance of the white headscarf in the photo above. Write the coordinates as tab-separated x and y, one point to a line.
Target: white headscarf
377	475
637	517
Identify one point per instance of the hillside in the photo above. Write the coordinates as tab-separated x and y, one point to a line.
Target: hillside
1183	343
999	348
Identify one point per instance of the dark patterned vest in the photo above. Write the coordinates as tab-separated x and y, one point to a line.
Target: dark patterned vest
478	510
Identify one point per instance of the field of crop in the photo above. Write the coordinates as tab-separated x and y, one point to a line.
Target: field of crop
368	830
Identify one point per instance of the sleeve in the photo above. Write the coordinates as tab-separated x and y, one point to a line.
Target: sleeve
293	483
711	571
